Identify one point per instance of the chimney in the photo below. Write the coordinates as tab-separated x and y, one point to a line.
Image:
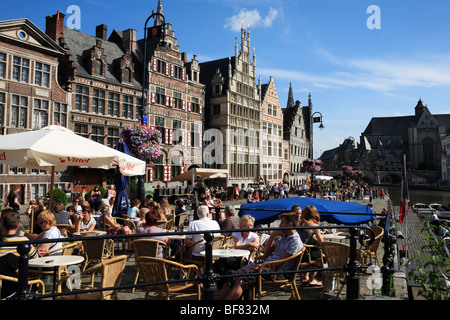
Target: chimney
54	26
129	40
101	31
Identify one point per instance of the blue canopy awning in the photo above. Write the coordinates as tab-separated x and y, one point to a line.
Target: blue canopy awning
329	210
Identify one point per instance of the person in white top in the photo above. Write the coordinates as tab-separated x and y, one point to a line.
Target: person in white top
47	222
203	223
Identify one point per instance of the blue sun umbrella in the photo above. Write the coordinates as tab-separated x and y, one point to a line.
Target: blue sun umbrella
121	202
331	211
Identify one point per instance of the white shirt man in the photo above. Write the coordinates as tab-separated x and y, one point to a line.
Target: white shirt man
203	223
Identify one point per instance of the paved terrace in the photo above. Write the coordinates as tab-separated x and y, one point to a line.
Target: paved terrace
306	293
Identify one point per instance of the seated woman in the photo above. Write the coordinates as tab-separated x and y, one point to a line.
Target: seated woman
86	222
47	222
246	240
310	217
154	206
151	226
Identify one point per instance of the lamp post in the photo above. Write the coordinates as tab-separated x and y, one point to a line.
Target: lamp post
321	126
155	32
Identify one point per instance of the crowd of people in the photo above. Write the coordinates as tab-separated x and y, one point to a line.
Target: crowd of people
211	214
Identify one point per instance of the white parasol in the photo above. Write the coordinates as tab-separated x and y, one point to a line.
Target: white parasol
55	148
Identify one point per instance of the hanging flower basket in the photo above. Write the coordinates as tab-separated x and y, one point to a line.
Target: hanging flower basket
143	142
312	166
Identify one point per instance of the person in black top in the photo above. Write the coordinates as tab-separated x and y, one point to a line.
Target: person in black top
13	198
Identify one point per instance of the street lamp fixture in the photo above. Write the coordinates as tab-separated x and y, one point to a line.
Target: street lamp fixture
311	154
158	31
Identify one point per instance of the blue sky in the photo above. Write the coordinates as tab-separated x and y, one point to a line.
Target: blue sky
324	47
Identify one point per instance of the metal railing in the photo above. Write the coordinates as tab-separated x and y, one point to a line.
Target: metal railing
209	277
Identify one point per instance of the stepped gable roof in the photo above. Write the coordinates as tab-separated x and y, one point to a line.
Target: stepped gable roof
289	115
208	70
78	42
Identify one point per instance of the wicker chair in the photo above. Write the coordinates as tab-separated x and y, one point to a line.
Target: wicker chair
156	270
277	284
309	263
181	220
336	255
97	250
31	283
186	256
370	252
146	248
111	276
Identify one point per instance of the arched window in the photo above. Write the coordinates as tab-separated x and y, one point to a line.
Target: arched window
98	67
126	75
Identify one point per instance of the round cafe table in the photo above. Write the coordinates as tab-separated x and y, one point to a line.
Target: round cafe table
333	237
55	262
90	233
227	253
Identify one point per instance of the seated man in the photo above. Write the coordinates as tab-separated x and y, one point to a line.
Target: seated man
281	245
10	225
203	223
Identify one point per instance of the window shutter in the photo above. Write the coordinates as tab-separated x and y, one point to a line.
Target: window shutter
167	101
171	102
167	173
189	106
189	142
183	138
150	174
166	136
201	109
170	138
155	64
153	96
184	74
167	69
184	105
172	70
182	169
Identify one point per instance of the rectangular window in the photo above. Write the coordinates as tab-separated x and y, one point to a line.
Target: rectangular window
82	98
98	134
42	74
176	124
40	114
195	105
98	102
21	69
2	65
160	97
113	104
113	137
127	107
177	102
60	114
161	67
178	72
81	129
19	111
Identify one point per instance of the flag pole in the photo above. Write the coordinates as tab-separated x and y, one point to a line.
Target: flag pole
405	204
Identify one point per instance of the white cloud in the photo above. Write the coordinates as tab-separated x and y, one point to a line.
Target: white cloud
253	18
386	76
